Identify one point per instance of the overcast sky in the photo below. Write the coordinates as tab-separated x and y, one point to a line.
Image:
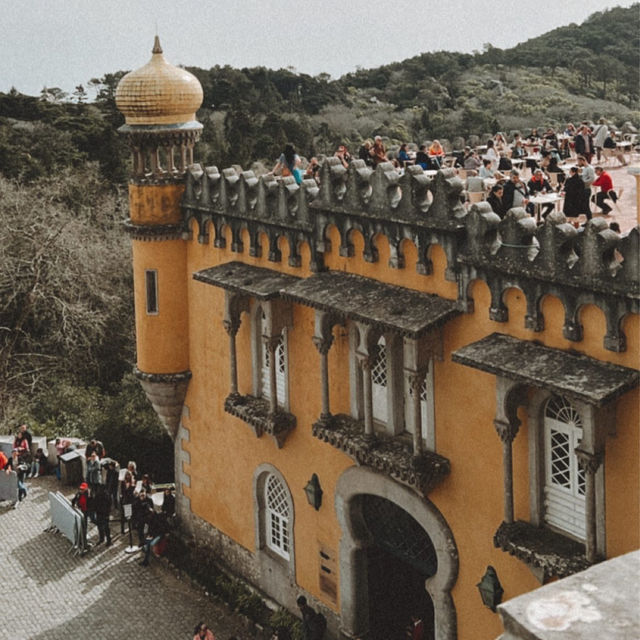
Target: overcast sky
67	42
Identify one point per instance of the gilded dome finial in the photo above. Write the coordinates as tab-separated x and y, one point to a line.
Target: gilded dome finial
158	93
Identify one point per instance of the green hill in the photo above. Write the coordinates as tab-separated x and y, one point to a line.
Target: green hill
572	73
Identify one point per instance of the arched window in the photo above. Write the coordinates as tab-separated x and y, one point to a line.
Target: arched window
276	516
564	490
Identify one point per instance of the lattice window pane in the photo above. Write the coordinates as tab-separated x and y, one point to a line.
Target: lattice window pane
565	482
277	496
581	482
423	390
560	459
280	355
379	367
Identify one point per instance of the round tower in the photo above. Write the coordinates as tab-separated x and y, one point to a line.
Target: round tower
159	102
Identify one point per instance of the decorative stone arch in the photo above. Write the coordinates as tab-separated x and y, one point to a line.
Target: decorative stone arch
220	241
347	248
354	606
277	575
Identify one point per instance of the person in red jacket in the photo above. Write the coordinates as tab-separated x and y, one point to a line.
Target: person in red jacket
81	500
605	183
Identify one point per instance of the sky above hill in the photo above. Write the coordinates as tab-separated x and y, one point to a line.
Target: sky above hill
62	44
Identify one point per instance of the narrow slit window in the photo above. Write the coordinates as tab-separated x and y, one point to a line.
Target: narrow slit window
151	278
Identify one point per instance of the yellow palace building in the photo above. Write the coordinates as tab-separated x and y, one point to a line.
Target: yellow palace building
379	398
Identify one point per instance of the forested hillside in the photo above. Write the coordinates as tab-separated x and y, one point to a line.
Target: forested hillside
66	313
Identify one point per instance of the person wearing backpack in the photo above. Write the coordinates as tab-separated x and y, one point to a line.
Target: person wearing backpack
313	624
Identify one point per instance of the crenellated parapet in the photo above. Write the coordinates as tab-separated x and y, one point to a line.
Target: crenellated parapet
588	266
238	199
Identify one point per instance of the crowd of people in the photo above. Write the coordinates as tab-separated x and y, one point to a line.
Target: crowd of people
105	490
558	162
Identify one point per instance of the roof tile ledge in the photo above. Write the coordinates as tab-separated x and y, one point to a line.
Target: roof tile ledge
255	412
543	549
385	454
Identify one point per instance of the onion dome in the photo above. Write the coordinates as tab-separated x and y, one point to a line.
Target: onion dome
158	93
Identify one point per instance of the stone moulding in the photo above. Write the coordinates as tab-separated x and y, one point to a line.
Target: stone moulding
553	553
153	232
384	454
590	266
166	392
255	412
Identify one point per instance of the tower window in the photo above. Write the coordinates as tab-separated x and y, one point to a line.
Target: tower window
151	281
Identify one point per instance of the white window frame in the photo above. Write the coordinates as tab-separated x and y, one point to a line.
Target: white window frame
277	520
275	567
380	392
592	420
398	403
281	370
427	409
564	503
260	361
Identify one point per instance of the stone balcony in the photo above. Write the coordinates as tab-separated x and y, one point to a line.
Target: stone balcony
385	454
255	412
547	553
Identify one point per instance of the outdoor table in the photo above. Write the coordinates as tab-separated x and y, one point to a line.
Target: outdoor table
488	183
567	167
517	162
543	198
430	172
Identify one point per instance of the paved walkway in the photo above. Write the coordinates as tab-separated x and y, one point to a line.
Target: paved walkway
49	594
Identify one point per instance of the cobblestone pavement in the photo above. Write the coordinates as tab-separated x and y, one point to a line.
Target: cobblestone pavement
48	593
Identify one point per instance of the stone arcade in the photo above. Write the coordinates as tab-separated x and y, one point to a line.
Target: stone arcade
377	332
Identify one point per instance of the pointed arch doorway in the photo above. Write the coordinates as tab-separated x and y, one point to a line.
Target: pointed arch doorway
397	558
400	558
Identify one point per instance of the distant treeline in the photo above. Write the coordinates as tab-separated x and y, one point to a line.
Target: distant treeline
571	73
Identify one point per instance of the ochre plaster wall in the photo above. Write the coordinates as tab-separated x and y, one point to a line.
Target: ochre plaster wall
162	338
225	453
155	204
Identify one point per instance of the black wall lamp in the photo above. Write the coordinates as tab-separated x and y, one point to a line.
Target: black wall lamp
314	492
490	589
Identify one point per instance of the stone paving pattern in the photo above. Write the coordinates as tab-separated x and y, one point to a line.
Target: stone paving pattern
48	593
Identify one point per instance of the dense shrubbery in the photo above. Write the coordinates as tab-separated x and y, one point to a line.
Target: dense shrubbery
66	317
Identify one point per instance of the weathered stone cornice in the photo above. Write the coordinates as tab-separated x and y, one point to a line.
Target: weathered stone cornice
150	232
387	455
